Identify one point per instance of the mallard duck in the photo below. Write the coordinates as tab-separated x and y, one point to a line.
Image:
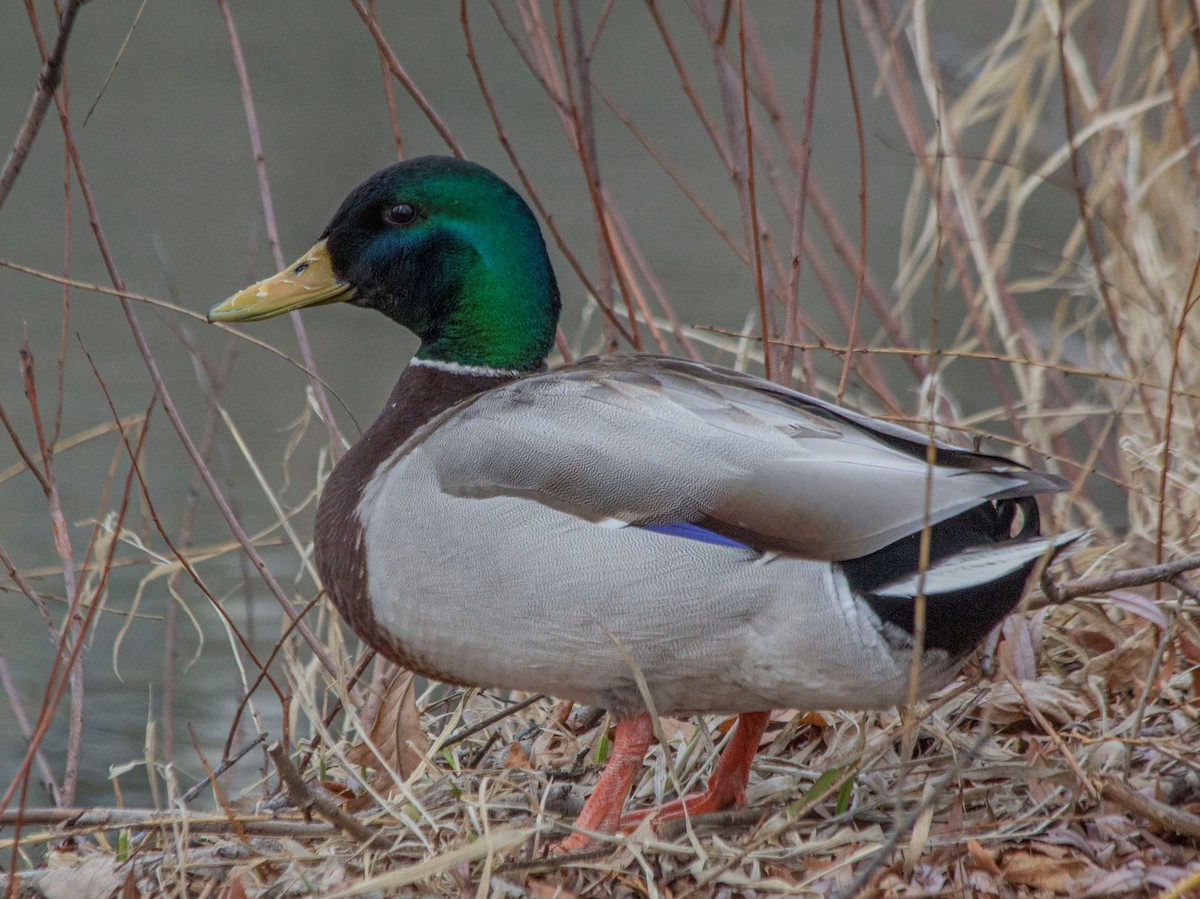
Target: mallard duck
636	532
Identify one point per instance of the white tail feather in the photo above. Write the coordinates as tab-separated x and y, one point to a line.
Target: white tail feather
977	566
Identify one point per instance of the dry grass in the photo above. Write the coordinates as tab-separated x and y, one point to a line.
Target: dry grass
1067	768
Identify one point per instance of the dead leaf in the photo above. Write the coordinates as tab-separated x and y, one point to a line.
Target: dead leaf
561	712
129	888
983	858
340	791
1017	651
781	872
517	757
1064	874
553	748
1094	641
90	879
1142	606
1126	666
234	889
1006	706
550	889
676	728
1191	652
1126	879
396	733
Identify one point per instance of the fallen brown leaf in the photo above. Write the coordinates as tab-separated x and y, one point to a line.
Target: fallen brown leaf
234	889
1006	706
677	727
1125	667
1018	650
517	757
129	887
983	858
93	878
396	733
550	889
553	748
338	790
1191	652
1065	874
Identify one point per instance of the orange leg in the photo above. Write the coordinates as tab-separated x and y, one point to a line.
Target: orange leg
726	786
602	812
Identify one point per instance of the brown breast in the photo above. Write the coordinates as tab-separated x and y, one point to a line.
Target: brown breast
422	392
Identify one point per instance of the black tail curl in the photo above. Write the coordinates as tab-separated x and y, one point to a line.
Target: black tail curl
956	621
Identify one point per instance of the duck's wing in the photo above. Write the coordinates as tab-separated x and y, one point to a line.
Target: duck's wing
644	440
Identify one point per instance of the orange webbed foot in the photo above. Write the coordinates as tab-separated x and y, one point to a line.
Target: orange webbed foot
727	785
602	811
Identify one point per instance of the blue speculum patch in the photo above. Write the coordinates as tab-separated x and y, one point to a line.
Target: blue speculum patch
689	531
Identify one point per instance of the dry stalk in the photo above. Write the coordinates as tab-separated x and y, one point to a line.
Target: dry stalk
308	801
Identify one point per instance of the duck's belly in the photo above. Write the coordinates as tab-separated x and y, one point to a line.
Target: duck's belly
506	592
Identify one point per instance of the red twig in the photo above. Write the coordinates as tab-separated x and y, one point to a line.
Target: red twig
847	251
673	173
881	35
1085	214
164	394
393	64
660	295
212	385
25	587
55	686
861	272
72	628
14	702
22	452
888	57
585	146
752	195
1177	92
48	79
689	91
527	185
337	443
263	668
65	330
791	327
1191	299
389	95
134	457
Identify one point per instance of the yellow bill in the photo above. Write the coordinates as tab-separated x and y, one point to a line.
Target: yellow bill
309	281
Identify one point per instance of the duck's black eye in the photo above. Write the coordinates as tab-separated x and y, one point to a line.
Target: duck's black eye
400	214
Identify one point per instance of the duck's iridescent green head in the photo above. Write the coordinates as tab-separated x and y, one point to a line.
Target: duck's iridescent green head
440	245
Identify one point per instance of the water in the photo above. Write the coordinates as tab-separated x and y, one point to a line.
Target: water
168	159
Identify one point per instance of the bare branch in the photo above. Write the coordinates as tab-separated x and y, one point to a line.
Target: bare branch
47	84
307	800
